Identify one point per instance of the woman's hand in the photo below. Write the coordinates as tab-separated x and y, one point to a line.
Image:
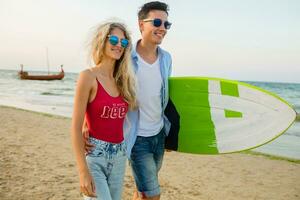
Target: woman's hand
87	185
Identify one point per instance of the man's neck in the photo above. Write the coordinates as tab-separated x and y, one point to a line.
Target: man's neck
146	48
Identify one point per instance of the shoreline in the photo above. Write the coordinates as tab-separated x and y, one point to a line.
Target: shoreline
271	157
36	112
37	162
251	152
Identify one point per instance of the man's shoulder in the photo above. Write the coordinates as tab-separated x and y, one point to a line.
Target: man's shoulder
165	52
166	56
167	60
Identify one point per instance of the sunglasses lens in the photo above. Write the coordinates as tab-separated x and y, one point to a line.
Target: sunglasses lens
113	40
167	25
157	22
124	43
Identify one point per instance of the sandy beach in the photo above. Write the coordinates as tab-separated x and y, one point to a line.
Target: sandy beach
37	163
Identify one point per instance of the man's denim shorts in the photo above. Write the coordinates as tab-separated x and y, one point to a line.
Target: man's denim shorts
146	160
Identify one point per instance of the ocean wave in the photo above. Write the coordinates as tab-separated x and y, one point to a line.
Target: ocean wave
294	133
57	94
65	89
51	94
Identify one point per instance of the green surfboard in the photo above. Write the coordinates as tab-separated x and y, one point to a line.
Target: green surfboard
218	116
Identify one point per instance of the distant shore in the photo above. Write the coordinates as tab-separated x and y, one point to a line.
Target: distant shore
37	162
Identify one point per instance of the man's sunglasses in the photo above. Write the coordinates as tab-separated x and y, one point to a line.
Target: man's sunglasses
114	40
157	23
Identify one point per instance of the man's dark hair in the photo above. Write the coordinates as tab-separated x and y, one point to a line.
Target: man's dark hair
153	5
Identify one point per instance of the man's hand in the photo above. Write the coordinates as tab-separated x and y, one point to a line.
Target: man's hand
88	147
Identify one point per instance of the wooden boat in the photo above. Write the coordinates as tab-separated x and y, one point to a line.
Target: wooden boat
24	75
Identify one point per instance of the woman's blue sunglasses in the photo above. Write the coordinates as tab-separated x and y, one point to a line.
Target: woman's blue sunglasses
114	40
157	22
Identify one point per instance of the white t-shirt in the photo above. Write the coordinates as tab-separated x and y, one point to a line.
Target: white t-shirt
149	98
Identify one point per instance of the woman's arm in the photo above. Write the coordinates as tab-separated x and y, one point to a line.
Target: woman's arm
83	89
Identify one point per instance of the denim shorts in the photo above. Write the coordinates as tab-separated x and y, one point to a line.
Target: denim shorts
146	160
106	163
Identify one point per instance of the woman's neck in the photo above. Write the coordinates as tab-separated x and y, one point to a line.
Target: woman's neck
106	67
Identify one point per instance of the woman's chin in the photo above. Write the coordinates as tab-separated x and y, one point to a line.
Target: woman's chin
115	57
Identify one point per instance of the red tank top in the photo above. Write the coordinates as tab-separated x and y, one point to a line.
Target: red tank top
105	116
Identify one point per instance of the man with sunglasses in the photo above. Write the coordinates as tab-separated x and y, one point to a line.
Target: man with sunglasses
149	125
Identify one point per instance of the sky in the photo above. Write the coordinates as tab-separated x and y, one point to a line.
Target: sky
250	40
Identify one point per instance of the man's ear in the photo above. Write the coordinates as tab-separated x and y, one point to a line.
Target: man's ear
141	25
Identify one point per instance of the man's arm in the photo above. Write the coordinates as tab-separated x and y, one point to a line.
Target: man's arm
170	67
85	133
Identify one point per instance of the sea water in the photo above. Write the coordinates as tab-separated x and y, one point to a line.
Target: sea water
56	97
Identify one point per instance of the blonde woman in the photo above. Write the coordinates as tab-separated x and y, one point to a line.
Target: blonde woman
104	94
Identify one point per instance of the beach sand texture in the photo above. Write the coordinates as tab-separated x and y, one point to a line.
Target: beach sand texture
37	163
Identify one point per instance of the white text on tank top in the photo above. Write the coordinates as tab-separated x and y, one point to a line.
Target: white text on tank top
149	98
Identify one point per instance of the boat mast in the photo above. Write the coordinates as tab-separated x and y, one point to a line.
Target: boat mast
47	59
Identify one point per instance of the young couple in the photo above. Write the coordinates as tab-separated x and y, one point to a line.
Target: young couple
122	101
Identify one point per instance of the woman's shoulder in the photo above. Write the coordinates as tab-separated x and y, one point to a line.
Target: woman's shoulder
86	76
87	73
